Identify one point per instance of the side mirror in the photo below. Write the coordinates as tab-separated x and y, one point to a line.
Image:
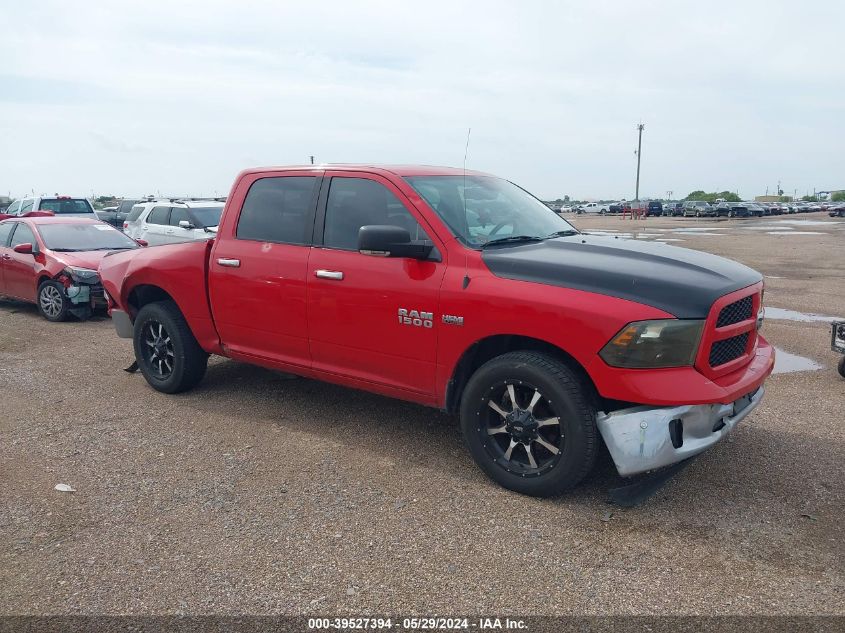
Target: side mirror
24	249
184	224
382	240
143	242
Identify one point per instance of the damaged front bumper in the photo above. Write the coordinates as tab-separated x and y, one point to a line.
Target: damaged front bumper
84	298
645	438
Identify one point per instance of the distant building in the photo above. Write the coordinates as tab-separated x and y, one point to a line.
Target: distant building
5	201
769	198
828	194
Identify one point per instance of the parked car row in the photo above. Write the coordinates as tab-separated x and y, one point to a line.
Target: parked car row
700	208
155	220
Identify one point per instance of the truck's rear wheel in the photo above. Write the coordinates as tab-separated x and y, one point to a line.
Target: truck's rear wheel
529	423
165	348
842	366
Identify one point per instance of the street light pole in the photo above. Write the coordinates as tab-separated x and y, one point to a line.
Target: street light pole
639	156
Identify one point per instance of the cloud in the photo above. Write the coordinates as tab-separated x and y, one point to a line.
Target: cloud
181	96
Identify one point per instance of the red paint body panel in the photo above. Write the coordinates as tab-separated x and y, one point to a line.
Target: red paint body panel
274	311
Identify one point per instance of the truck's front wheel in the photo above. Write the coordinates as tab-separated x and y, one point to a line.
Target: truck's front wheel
167	353
529	423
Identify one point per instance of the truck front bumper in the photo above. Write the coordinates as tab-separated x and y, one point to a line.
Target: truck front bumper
646	438
122	323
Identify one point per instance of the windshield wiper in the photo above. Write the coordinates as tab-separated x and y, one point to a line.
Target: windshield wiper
561	233
513	239
67	250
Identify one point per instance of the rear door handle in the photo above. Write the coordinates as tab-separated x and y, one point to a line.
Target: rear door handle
230	263
330	274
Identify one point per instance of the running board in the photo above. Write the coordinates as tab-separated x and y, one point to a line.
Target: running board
644	488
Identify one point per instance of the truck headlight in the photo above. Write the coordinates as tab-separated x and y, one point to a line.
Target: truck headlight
82	275
654	344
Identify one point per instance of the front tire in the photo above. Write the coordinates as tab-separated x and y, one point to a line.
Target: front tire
842	366
530	423
53	303
167	353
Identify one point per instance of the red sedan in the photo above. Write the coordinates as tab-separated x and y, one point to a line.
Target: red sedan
52	262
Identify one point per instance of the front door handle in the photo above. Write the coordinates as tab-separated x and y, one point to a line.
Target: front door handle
229	263
330	274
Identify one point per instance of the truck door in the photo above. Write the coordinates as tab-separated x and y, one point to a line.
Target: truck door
370	318
155	226
258	267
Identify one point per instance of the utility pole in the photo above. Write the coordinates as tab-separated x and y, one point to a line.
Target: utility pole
639	155
312	160
669	195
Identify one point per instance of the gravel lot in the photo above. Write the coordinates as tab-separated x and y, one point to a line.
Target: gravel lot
256	493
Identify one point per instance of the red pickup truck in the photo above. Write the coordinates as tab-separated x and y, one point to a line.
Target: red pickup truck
462	291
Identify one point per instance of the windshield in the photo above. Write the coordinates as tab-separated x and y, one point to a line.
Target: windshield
207	216
84	237
481	209
65	205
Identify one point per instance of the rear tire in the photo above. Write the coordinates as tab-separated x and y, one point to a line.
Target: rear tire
842	366
165	348
542	456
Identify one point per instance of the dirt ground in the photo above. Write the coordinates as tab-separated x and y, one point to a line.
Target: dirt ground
256	493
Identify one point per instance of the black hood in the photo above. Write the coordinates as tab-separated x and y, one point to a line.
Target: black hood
680	281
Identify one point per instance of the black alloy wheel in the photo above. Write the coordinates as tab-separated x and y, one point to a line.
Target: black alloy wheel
529	421
520	430
157	349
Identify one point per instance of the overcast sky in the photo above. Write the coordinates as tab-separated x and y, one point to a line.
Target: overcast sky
177	97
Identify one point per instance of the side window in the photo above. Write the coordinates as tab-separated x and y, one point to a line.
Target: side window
357	202
177	214
13	208
5	232
26	206
23	235
135	213
278	210
159	215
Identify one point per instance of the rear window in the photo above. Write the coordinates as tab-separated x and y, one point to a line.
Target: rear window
84	237
207	216
136	212
159	215
66	205
126	205
278	210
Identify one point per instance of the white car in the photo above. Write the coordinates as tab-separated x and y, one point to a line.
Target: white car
66	206
172	221
595	207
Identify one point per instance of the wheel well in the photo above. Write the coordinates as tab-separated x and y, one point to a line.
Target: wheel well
486	349
140	296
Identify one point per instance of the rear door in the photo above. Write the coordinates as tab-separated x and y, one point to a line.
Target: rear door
5	251
19	268
155	226
259	263
372	318
175	233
